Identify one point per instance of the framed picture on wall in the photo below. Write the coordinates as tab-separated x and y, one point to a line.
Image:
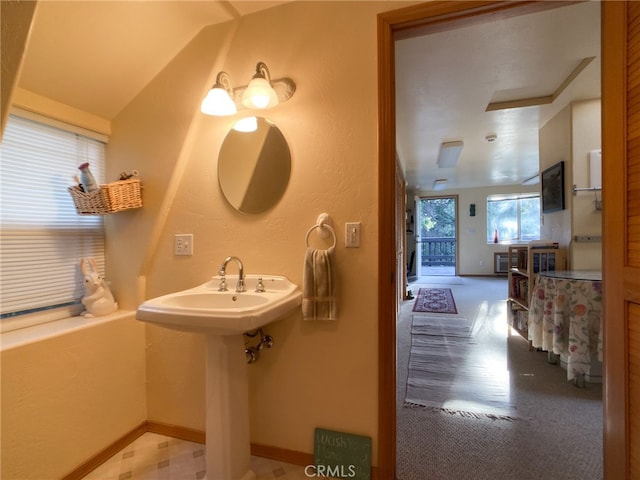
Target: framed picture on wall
553	188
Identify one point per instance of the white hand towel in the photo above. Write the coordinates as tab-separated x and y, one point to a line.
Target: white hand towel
319	300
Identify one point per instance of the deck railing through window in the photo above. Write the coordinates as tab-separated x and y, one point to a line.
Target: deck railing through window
439	251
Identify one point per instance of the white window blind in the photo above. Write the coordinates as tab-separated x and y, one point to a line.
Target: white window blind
43	238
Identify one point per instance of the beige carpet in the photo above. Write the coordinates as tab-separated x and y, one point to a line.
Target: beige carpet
559	438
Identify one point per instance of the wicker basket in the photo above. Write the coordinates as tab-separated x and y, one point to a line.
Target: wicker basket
110	198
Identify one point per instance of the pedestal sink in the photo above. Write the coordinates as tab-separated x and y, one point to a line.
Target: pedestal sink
223	317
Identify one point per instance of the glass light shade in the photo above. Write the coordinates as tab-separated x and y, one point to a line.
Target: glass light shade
259	94
247	124
218	103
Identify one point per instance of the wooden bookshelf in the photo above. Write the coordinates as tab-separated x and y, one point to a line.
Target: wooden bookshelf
525	261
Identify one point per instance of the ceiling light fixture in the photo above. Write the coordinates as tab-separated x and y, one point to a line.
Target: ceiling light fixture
440	184
532	180
492	137
260	93
449	154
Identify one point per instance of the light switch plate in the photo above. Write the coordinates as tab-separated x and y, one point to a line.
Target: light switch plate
352	234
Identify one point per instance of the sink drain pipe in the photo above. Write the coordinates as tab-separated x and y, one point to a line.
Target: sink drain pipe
253	351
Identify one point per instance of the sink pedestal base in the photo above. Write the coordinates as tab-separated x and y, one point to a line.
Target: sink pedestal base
228	444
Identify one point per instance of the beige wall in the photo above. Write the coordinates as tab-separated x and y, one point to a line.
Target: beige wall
318	374
473	245
554	140
569	136
69	396
585	219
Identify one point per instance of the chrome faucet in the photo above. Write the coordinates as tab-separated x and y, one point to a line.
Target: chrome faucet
240	287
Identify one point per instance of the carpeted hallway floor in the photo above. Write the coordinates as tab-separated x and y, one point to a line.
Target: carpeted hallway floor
559	435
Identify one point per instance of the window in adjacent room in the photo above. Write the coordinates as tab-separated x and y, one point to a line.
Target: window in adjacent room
514	217
43	238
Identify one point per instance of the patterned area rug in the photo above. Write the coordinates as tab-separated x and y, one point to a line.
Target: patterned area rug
447	372
435	300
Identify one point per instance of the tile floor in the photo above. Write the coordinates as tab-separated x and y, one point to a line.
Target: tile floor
156	457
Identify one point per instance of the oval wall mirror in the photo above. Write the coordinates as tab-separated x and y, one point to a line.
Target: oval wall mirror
254	166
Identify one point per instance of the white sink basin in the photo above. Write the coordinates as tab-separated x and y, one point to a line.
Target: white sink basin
218	301
204	309
223	317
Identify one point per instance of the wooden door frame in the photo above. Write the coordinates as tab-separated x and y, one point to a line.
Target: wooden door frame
401	226
614	138
439	15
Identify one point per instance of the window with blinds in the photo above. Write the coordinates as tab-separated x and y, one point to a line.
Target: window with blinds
42	238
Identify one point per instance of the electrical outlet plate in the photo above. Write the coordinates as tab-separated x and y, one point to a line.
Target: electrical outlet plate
183	244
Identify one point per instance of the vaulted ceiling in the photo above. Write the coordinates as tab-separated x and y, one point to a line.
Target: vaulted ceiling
97	56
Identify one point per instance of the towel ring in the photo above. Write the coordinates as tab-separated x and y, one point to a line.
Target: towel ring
318	225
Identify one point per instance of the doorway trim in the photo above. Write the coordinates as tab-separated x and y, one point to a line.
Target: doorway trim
402	23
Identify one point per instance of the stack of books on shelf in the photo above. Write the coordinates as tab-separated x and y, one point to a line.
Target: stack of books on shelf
543	262
522	260
519	319
520	288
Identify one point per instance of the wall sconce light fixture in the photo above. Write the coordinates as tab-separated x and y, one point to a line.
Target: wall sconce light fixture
260	93
219	100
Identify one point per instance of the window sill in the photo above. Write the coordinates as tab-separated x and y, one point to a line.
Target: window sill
43	331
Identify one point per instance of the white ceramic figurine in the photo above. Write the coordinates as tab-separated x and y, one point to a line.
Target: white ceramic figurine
98	301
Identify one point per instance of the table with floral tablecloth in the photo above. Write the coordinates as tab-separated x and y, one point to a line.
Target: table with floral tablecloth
565	317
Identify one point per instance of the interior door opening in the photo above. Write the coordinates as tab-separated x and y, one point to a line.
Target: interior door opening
387	27
436	236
